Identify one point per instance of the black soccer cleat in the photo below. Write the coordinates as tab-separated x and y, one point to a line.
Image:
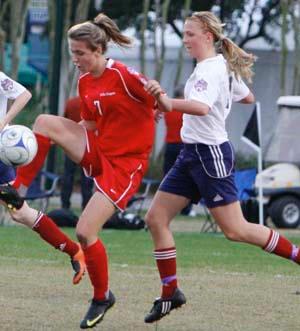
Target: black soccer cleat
11	197
162	307
96	311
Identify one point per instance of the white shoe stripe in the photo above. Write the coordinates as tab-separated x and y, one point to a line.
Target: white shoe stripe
166	307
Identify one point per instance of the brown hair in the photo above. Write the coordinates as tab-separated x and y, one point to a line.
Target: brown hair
98	33
239	61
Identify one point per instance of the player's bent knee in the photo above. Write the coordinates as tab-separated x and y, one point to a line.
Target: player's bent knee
42	122
82	234
150	219
155	222
233	235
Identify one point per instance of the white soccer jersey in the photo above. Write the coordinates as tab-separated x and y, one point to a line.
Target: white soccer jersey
9	89
212	84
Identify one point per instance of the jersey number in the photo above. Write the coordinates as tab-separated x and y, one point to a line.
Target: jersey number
97	104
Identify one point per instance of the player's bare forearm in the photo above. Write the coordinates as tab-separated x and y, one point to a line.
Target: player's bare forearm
18	104
190	107
164	103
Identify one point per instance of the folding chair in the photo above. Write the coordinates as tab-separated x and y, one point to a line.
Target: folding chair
209	224
131	218
137	203
39	191
244	181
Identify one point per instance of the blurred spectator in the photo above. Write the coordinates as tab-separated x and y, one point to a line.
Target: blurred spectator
173	141
72	111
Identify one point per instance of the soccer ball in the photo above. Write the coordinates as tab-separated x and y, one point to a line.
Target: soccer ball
18	145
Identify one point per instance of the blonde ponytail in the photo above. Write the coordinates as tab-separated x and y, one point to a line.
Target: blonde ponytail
239	61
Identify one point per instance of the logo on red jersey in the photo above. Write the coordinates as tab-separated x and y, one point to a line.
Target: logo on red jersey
107	94
142	79
133	71
201	85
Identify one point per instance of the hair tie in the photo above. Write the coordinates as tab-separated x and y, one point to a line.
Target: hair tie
98	24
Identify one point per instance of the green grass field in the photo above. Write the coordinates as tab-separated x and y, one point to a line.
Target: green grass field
229	286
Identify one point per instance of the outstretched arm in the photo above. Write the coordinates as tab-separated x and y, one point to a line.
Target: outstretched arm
166	104
18	104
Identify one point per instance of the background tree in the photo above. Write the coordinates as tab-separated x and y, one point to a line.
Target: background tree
4	5
185	13
295	16
12	27
144	22
18	14
284	50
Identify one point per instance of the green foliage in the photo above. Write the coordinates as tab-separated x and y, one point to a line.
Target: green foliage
128	13
124	12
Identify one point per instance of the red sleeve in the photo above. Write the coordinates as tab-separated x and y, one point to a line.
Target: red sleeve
135	83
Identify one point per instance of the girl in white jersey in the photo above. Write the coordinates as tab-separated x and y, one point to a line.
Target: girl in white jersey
205	167
10	90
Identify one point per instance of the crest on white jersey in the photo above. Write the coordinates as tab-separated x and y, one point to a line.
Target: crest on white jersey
7	84
201	85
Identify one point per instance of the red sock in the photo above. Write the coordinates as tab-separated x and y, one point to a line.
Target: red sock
51	233
166	264
279	245
97	267
26	174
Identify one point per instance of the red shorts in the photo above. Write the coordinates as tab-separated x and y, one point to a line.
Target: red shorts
118	178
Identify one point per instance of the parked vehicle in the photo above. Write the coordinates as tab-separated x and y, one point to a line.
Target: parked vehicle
281	194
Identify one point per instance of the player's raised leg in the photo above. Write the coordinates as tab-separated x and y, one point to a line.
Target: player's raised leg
52	129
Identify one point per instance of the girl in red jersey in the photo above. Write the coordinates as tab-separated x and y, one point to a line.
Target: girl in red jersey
112	144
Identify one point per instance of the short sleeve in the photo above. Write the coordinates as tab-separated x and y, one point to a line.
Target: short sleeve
135	83
239	90
10	88
204	89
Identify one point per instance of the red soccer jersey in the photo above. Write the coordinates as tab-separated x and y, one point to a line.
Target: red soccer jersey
173	121
72	109
121	108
